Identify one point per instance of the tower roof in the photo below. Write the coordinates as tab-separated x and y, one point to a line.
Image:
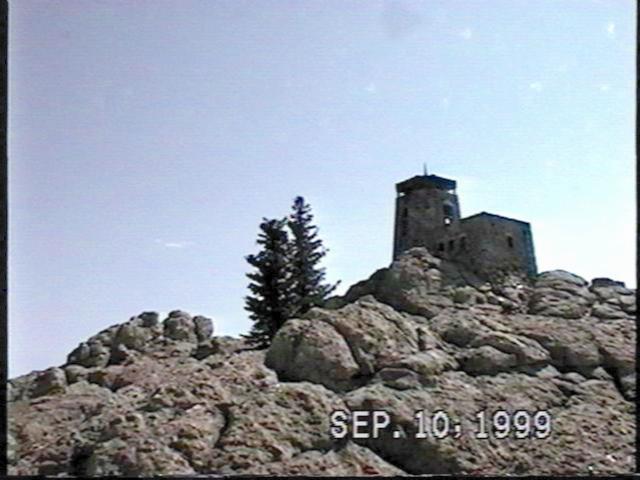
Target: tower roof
422	181
486	215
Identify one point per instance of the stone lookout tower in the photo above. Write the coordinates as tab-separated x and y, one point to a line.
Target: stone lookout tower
428	215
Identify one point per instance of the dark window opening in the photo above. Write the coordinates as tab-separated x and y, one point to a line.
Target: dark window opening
463	243
404	226
451	245
510	241
447	210
405	213
441	247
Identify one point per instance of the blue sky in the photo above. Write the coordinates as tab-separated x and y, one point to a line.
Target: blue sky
147	139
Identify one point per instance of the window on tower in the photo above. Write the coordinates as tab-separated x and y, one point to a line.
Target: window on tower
510	241
404	222
447	210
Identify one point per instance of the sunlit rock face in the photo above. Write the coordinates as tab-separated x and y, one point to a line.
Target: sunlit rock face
158	396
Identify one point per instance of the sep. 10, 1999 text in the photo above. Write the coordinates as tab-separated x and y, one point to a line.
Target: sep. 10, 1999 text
499	424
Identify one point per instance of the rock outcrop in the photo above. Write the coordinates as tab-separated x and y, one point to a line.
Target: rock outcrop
150	397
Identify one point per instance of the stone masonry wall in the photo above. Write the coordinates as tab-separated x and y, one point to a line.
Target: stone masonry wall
424	211
488	248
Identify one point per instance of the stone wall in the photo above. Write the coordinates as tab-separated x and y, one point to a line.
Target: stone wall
418	214
481	243
497	243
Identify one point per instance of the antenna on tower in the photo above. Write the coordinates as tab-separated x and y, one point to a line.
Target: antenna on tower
424	169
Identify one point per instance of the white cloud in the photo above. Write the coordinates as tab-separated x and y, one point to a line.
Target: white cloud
177	244
611	29
174	244
537	86
467	33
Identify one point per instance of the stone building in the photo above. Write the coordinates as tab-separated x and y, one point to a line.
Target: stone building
428	215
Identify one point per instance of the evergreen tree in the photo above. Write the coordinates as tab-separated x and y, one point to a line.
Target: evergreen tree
271	301
307	250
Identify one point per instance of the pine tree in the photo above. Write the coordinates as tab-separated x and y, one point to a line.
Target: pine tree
307	250
271	301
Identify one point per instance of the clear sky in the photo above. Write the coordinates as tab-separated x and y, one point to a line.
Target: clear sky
148	138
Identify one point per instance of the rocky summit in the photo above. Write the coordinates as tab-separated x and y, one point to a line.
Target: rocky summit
421	369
